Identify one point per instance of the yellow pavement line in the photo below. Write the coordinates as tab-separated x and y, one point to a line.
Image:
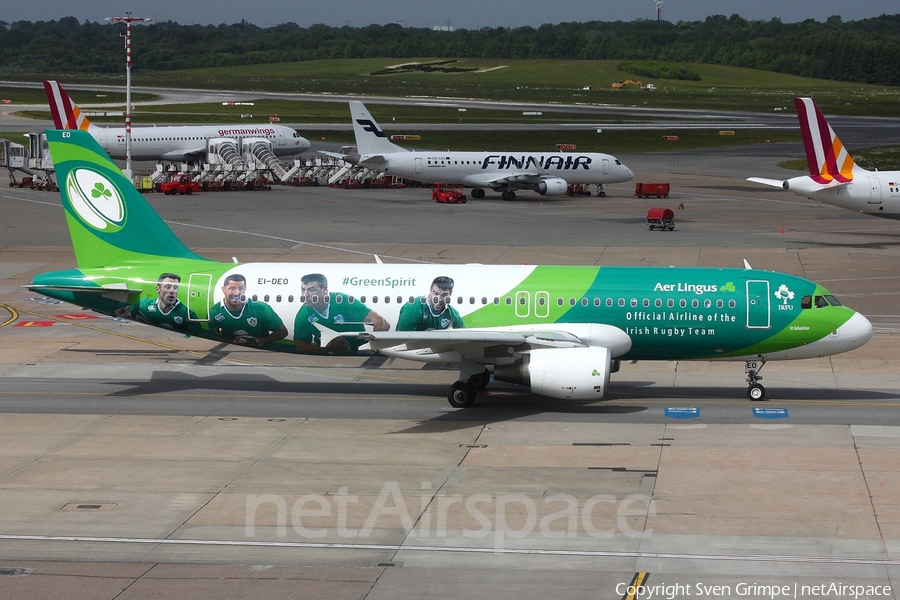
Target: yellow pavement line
14	314
636	582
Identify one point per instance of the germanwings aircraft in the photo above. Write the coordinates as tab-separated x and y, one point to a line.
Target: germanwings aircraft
171	142
547	173
559	329
833	176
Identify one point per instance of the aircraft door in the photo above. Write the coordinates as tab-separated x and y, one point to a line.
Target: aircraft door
874	190
419	165
103	139
758	305
523	304
279	136
542	305
606	166
199	297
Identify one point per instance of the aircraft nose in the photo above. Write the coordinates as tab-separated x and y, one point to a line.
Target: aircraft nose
855	332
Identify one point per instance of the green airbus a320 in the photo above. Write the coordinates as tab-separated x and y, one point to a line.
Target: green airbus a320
562	330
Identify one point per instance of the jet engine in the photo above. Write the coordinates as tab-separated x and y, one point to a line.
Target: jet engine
569	373
553	186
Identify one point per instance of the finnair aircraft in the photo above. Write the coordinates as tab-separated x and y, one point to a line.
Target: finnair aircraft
171	142
547	173
562	330
834	178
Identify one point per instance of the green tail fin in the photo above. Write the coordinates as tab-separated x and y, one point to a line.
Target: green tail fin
109	221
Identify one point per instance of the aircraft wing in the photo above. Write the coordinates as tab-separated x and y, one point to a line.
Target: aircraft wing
188	154
468	342
518	177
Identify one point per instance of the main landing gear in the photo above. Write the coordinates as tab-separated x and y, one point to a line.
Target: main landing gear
510	196
462	393
477	193
756	391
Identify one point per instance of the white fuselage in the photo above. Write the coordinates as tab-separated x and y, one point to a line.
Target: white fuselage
871	192
189	141
499	169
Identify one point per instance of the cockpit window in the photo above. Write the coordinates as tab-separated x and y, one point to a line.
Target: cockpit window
806	302
833	301
821	302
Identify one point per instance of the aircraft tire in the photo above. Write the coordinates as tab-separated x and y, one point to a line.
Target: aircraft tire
462	395
757	393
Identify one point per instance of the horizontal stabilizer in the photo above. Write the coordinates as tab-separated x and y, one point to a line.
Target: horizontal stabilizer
779	183
119	294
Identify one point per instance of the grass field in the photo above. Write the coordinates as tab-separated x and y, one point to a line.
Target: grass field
723	88
543	81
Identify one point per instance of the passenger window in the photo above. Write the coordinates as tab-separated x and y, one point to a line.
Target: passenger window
719	303
670	303
266	298
560	301
609	302
350	299
682	303
646	302
278	298
732	304
338	299
621	301
374	299
571	301
291	299
633	302
707	304
508	301
596	301
658	303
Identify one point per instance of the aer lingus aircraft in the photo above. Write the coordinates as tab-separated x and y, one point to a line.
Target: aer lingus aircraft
834	178
169	142
559	329
547	173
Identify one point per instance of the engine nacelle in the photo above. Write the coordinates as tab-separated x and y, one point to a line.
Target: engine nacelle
553	186
566	373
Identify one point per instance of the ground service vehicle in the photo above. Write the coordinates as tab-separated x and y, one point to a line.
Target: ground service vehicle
441	193
660	218
645	190
180	184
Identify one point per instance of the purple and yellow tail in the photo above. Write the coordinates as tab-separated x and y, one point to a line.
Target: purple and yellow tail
826	156
66	114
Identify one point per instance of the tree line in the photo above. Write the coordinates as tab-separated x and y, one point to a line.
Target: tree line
863	51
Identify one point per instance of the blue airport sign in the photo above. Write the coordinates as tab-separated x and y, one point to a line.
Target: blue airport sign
770	413
682	412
